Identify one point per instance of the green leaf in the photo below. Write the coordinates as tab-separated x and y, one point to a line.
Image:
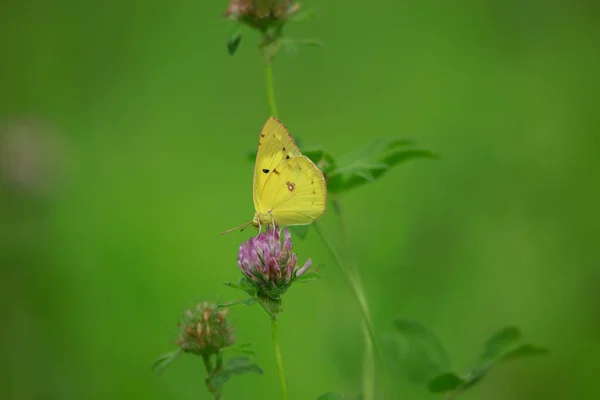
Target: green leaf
243	284
246	302
419	353
524	351
322	159
243	365
232	285
500	342
330	396
247	369
307	277
300	231
476	375
243	348
365	166
241	361
234	39
161	362
220	378
447	382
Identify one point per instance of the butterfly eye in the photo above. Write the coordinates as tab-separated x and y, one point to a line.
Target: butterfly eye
266	171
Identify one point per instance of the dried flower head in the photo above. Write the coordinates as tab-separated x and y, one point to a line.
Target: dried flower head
261	13
270	265
204	330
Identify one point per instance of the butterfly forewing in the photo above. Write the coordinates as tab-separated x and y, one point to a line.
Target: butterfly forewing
274	145
295	192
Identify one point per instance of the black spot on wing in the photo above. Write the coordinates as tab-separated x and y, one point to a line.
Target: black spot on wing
266	171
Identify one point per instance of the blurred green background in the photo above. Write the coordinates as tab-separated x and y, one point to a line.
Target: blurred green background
125	132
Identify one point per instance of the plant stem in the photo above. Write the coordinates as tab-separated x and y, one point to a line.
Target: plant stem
211	371
278	357
358	292
368	373
270	89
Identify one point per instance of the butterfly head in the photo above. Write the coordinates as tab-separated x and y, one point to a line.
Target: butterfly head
261	220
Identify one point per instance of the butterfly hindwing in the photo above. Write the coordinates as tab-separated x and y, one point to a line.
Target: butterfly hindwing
295	192
275	145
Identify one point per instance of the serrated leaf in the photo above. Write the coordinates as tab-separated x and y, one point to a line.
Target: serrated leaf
365	166
500	342
307	277
300	231
420	354
524	351
447	382
220	378
330	396
234	39
161	362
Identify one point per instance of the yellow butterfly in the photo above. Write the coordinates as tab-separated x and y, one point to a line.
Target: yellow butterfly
288	188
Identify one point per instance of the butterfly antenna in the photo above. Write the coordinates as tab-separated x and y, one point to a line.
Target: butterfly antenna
243	226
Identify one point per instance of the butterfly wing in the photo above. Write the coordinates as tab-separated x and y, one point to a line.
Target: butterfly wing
295	192
274	145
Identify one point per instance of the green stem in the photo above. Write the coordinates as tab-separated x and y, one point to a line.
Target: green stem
270	89
368	373
358	292
211	371
278	357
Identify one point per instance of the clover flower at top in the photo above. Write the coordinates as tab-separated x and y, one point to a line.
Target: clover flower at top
276	9
204	330
269	265
261	14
